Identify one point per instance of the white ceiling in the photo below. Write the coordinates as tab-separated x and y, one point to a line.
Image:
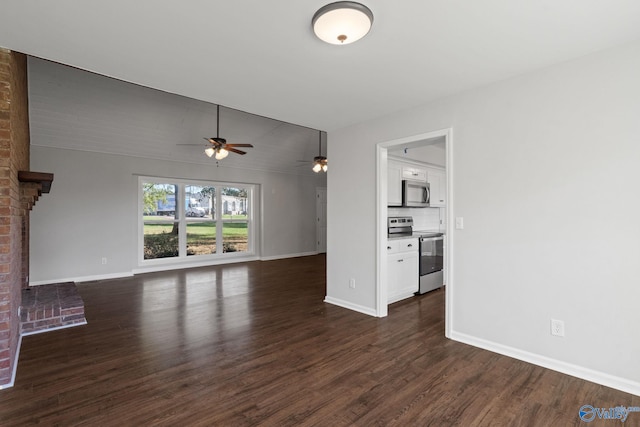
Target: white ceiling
428	151
262	56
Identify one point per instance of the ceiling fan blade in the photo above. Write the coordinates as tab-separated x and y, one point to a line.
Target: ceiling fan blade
239	145
216	141
233	150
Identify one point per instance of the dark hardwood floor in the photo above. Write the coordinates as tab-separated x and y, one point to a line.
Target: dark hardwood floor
254	344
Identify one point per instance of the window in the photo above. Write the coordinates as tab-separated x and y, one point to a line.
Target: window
214	219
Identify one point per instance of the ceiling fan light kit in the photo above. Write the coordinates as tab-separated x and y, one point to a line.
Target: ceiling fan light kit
319	161
342	22
221	153
320	164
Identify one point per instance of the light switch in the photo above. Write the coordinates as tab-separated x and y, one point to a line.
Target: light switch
459	223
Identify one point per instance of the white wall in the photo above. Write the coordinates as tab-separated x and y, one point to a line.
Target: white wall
546	172
424	219
91	211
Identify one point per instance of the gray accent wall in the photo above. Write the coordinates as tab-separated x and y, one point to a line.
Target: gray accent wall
92	211
98	134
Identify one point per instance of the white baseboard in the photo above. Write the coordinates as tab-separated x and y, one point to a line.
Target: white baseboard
155	268
400	297
351	306
597	377
17	356
57	328
82	278
180	266
15	366
275	257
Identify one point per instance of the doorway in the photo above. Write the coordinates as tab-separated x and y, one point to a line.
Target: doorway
382	152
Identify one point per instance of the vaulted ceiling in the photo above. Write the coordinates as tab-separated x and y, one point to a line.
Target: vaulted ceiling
262	57
77	110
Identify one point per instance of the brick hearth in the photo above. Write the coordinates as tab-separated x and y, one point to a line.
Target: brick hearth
50	307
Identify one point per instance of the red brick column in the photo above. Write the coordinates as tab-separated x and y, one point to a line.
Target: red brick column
14	156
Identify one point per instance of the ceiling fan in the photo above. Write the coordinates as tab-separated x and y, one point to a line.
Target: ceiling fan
219	146
319	161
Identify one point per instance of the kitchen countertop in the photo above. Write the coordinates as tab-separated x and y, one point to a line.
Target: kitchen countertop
416	234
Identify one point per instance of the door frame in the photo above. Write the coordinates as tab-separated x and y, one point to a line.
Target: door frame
318	227
381	221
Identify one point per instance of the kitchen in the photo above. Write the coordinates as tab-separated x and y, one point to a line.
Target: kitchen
416	225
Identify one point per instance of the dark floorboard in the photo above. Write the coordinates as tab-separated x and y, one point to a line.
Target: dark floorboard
254	344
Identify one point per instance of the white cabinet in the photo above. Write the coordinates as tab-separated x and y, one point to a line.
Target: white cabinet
414	173
397	171
438	186
403	273
394	183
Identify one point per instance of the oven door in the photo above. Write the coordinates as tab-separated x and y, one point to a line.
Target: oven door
431	254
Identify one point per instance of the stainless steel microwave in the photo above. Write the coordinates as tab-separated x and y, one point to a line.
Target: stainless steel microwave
415	194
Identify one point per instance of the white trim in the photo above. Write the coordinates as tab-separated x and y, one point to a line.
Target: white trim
156	268
382	303
40	331
415	162
167	267
182	220
15	367
400	297
381	215
274	257
587	374
318	227
449	227
351	306
78	279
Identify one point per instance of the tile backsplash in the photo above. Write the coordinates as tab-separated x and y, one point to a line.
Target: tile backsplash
423	218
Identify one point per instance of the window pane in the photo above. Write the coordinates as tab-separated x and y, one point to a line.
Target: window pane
235	236
235	203
199	201
159	202
201	237
204	213
160	240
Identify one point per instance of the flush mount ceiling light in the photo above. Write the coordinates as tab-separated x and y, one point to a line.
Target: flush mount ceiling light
342	22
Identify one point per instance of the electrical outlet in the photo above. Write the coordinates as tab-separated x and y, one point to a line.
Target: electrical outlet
104	260
352	283
557	328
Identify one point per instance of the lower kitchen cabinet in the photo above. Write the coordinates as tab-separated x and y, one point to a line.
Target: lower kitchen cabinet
402	270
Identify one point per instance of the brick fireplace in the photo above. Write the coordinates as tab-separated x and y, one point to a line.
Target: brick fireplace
14	226
23	310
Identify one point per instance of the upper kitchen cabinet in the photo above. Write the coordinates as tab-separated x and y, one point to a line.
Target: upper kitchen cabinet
414	173
394	183
438	185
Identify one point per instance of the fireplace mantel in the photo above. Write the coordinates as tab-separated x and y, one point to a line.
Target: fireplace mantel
42	178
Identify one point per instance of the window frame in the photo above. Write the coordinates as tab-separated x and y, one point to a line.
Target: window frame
182	220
